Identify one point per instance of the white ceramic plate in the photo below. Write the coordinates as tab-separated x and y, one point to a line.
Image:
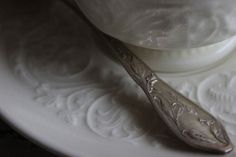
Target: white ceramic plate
58	88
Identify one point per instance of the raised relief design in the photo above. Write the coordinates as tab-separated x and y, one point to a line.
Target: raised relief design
86	89
126	117
218	95
111	109
99	104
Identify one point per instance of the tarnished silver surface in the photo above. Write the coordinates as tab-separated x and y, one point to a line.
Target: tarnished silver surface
187	120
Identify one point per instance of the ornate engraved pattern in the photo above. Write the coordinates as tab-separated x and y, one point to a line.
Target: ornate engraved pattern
180	114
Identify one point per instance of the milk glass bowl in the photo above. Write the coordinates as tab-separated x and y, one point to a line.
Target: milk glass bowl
153	27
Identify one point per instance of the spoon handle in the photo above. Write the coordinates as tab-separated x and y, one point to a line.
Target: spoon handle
187	120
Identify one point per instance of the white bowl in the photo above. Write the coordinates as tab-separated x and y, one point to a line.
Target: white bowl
186	59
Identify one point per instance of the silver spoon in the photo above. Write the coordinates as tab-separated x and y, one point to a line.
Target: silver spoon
188	121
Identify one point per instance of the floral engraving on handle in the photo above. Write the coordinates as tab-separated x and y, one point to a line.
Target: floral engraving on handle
172	106
215	130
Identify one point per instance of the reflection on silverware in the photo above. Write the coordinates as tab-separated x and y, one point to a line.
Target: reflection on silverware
188	121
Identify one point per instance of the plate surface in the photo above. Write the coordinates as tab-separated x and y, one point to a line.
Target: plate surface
60	87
